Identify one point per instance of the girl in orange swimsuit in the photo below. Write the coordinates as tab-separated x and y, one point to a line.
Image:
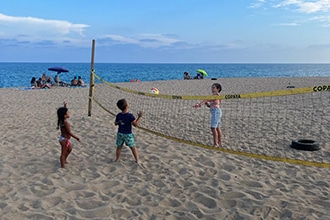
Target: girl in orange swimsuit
62	123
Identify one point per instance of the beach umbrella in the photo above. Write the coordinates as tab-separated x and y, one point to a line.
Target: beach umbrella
58	69
203	72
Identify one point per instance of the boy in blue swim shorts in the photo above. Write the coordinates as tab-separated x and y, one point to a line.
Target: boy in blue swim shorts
125	120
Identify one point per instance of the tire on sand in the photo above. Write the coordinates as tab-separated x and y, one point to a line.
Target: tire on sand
305	144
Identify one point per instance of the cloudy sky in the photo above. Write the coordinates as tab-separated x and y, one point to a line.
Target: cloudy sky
171	31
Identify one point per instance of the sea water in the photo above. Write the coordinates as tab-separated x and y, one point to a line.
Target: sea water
20	74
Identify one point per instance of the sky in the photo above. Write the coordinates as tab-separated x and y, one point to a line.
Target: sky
165	31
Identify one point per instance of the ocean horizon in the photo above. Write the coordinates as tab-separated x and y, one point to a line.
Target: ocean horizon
19	74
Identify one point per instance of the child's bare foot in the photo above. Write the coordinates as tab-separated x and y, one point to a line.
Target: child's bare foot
216	146
140	164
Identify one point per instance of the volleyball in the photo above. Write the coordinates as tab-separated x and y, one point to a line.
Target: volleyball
154	91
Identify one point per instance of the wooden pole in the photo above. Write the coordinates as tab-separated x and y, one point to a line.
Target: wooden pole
91	83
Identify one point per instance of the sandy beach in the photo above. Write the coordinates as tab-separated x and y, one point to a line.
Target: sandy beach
179	181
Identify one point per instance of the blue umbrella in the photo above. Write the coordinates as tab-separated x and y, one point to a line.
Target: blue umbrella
58	69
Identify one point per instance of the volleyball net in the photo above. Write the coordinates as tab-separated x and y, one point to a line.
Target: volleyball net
258	125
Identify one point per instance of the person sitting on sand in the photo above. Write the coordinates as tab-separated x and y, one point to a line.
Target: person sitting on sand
43	78
186	75
74	81
33	82
43	85
57	79
80	81
37	84
58	82
50	80
198	76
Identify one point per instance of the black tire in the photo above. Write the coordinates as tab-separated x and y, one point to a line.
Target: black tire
305	144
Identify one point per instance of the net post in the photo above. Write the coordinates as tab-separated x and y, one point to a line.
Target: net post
91	83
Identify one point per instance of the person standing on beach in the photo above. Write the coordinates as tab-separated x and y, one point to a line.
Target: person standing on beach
125	120
62	123
216	114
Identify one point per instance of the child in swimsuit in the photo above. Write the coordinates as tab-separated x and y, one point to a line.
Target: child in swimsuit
125	120
62	123
216	114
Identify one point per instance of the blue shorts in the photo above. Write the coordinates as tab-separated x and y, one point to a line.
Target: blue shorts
216	115
128	139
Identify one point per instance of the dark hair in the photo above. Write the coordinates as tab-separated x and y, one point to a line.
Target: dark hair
122	104
218	86
39	82
33	80
60	116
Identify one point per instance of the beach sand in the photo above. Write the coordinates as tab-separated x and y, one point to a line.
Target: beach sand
179	181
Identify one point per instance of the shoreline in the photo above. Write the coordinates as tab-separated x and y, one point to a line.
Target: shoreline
285	80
